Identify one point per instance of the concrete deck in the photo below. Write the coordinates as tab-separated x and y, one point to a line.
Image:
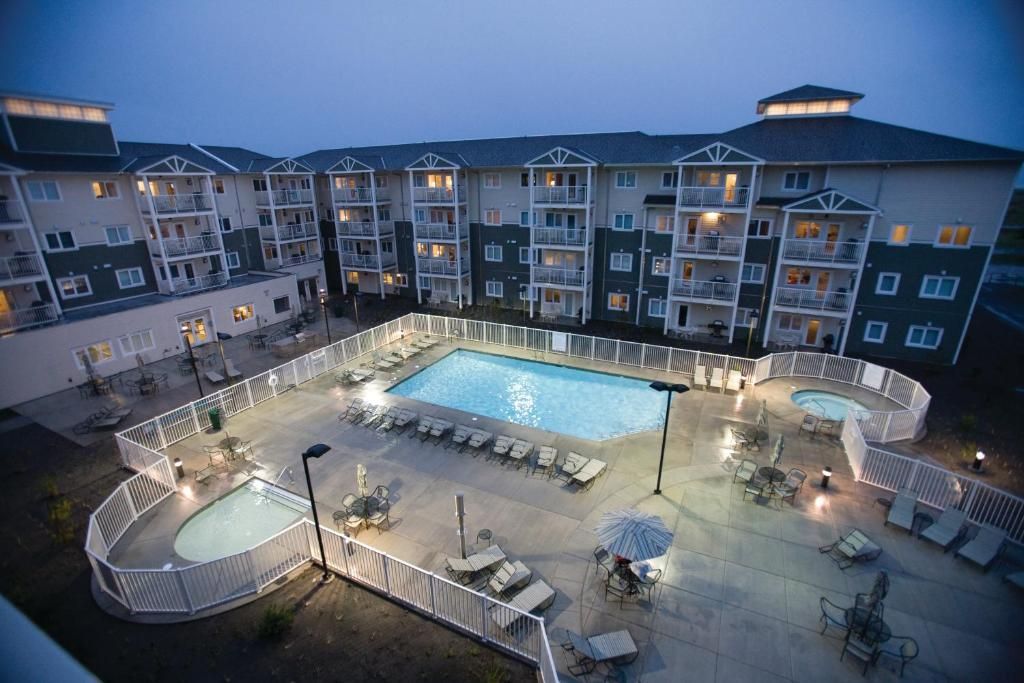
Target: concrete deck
739	596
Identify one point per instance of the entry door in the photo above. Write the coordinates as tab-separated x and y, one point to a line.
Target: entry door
570	180
821	286
811	333
831	237
692	224
179	230
196	330
686	272
683	314
190	271
730	187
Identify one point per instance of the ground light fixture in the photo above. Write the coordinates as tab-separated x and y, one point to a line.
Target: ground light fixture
179	468
323	305
826	474
185	332
671	389
315	451
979	458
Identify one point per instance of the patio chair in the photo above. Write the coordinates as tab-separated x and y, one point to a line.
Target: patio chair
648	580
362	374
809	424
745	472
380	517
354	408
438	429
536	596
510	576
984	548
717	379
243	448
371	418
348	520
368	411
791	486
388	420
405	418
503	444
833	615
947	529
617	647
852	548
218	463
478	440
459	437
903	648
748	441
903	508
863	650
233	372
574	462
733	381
699	378
344	378
394	358
382	364
546	457
463	571
604	560
589	474
424	427
618	587
521	452
381	494
214	377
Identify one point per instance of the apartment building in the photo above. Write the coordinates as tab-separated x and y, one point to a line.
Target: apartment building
808	228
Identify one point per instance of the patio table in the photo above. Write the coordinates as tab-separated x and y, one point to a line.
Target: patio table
868	625
772	474
228	444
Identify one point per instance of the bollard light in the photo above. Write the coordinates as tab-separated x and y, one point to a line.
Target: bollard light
826	474
179	468
979	458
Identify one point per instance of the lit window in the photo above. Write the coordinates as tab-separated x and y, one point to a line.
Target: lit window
18	107
62	240
936	287
656	308
218	186
759	228
73	287
618	302
621	262
492	252
46	109
806	230
887	284
70	112
401	279
495	288
623	221
130	277
924	337
752	272
242	313
105	189
118	234
798	276
492	217
663	223
874	331
43	190
661	265
93	354
136	342
492	181
899	236
352	277
796	180
807	107
625	180
94	114
233	260
956	236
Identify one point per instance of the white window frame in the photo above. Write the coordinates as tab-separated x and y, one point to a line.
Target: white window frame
85	350
618	308
136	269
622	180
525	250
225	224
425	282
892	229
667	273
129	348
743	316
489	217
895	288
753	267
664	224
529	293
39	186
796	178
940	278
119	230
521	215
51	249
953	245
760	222
492	181
924	332
252	313
867	329
489	251
662	304
105	187
673	177
218	186
624	260
62	280
232	256
791	317
632	221
495	289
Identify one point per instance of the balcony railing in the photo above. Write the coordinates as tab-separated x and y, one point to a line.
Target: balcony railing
186	246
363	228
704	289
294	260
287	233
15	267
188	285
437	195
440	231
359	195
561	194
576	237
11	211
284	197
812	300
367	261
713	197
566	277
27	317
710	245
173	204
441	266
815	251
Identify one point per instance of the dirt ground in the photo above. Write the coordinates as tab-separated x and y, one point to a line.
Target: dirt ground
340	631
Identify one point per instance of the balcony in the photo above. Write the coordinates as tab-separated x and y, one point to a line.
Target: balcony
290	233
175	247
11	212
835	303
437	195
840	254
18	267
711	246
442	266
363	228
713	197
178	204
562	277
440	231
704	290
561	194
284	198
559	237
367	261
21	318
190	285
293	260
359	195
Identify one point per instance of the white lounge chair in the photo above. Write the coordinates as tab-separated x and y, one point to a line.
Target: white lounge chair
590	472
233	372
718	379
699	378
214	377
536	596
382	364
946	529
354	409
361	375
388	421
733	382
503	444
394	358
373	414
510	575
574	462
463	570
617	647
903	508
984	548
546	457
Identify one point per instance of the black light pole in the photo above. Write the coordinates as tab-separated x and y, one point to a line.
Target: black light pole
670	388
355	307
315	451
323	305
185	332
221	338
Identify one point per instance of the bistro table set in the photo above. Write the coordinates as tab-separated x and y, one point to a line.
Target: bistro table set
363	511
628	539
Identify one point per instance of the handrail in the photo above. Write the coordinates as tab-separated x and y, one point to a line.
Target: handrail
710	245
22	265
704	289
18	318
712	197
560	194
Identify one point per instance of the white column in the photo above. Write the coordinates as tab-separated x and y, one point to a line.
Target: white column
160	238
273	219
856	286
588	216
207	184
376	234
415	242
337	236
766	330
530	221
458	238
36	246
743	247
677	225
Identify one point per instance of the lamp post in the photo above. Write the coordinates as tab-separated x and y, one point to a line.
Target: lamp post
315	451
754	316
323	305
979	458
670	388
185	332
355	307
221	338
826	475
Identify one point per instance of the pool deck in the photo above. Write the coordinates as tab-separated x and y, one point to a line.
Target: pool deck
739	597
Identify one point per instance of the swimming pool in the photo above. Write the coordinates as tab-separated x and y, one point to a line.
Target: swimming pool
245	517
590	405
826	404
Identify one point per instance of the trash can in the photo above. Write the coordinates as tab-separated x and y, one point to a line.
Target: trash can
214	414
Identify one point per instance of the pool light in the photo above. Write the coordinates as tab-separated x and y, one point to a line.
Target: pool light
670	388
315	451
979	458
179	468
826	474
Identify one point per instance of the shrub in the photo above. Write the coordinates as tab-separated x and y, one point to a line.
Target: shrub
275	622
63	526
50	488
968	422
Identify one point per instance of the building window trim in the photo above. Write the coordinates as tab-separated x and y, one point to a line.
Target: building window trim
105	190
493	253
751	279
127	344
656	305
132	282
233	259
624	221
74	294
123	235
954	228
939	279
880	339
57	233
492	181
760	222
623	298
666	273
492	217
38	187
626	180
796	186
620	262
495	289
98	358
924	330
909	229
895	286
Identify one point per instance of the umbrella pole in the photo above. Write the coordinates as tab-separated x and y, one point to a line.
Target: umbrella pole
664	438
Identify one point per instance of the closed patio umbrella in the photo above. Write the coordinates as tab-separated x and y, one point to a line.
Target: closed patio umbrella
364	490
633	534
780	444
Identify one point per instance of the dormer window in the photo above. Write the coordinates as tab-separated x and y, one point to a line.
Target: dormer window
809	100
52	110
808	108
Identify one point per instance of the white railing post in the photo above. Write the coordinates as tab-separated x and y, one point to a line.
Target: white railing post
433	598
195	417
483	619
618	344
180	576
966	504
131	503
387	575
248	391
160	433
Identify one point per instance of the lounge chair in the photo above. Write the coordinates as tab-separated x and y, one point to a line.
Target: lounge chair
809	424
903	508
745	472
984	548
510	576
536	596
363	410
408	352
218	463
478	439
214	377
424	427
503	444
463	571
733	382
521	452
438	428
617	647
852	548
405	418
574	462
546	457
718	379
354	408
425	343
362	374
590	472
344	378
459	437
791	486
394	358
947	529
699	378
233	372
371	417
388	420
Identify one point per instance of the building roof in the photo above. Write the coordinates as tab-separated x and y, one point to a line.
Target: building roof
811	92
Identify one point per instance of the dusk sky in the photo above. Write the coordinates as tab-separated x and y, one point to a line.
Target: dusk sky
286	78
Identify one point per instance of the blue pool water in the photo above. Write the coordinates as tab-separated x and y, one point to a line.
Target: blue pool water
590	405
826	404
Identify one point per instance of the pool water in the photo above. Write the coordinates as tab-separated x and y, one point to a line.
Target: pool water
590	405
826	404
243	518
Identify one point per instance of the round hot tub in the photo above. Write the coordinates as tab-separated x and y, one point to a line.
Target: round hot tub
826	404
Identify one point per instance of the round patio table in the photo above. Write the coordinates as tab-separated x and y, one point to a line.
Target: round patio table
229	444
772	474
869	626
